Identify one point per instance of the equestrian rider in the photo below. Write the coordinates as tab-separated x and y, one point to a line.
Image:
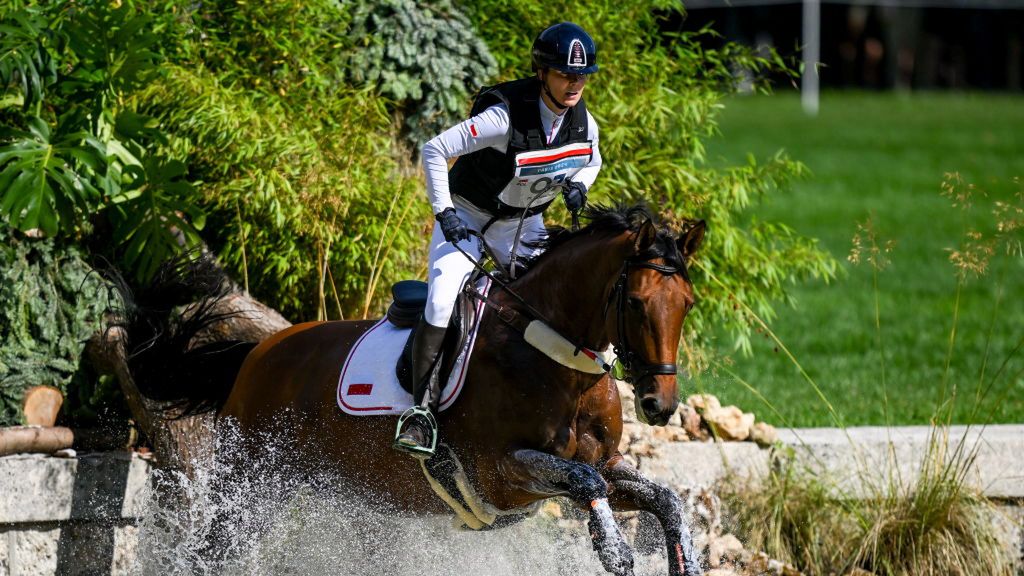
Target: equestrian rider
526	141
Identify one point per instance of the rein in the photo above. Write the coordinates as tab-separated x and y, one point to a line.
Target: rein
514	318
627	365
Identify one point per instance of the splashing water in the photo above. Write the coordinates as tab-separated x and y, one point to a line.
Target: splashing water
275	521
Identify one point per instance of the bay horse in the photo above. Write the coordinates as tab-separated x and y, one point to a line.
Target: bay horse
525	427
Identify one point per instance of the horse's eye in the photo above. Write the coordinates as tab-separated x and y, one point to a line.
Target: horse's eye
635	304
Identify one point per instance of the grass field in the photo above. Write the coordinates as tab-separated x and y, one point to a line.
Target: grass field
886	155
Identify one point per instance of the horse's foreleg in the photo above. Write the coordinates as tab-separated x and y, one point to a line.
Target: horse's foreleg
542	473
632	491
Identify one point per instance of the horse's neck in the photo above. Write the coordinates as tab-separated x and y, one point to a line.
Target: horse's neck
570	288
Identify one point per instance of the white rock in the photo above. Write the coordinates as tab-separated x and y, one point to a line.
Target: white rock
626	396
729	422
703	402
724	548
693	423
669	433
764	434
677	417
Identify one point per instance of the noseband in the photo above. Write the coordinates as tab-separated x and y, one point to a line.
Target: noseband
630	367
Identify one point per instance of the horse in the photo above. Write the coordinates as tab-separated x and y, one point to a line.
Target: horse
526	427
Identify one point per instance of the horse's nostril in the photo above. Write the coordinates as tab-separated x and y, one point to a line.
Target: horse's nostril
650	406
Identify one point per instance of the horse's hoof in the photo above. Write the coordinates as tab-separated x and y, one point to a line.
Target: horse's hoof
693	569
682	565
617	558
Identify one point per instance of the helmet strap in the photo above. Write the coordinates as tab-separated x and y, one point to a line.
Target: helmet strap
551	96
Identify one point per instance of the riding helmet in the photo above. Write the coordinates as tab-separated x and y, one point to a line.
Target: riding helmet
567	48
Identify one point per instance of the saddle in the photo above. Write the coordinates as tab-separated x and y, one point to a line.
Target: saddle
409	301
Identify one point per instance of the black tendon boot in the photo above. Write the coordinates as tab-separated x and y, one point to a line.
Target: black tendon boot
417	427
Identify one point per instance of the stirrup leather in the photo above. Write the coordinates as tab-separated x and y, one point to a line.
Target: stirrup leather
418	451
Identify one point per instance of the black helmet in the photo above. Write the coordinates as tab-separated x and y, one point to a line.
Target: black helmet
567	48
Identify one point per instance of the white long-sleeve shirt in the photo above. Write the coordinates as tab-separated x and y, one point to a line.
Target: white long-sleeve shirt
491	128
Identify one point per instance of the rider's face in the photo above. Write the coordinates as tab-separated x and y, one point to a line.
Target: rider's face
566	88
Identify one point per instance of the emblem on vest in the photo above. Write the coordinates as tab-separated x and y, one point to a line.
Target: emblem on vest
577	55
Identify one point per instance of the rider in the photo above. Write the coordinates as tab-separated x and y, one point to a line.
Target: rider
525	141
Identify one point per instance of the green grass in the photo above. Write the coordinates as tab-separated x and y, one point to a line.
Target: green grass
886	155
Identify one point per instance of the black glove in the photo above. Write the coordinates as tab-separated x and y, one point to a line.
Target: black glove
453	227
575	196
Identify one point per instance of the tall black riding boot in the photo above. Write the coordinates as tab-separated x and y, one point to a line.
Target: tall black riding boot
417	427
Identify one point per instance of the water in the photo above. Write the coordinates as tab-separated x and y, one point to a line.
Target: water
278	525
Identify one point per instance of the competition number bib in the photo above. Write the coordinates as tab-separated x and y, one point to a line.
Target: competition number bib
540	174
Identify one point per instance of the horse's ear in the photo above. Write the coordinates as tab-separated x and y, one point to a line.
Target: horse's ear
645	236
689	242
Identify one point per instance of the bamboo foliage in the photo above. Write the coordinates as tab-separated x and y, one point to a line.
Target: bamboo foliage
282	135
656	98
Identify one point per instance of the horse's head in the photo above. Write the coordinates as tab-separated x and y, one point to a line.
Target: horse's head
623	264
644	316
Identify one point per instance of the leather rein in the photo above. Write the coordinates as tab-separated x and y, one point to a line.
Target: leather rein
628	365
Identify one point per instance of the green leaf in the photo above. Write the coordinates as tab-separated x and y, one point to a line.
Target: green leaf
25	58
131	125
48	177
148	225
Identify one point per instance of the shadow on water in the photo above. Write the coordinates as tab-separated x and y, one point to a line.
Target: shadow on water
280	525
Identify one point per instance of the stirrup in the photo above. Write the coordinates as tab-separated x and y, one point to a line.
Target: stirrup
420	452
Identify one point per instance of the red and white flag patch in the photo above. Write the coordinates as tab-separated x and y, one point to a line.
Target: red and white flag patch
472	130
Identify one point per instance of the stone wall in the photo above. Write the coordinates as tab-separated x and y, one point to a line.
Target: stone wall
77	516
70	516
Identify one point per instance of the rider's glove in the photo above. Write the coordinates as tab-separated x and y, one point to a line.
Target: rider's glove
453	227
575	195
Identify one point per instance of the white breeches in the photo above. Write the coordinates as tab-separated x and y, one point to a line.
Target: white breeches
448	269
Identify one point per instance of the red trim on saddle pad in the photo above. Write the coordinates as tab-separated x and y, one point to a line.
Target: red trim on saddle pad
360	389
341	397
372	388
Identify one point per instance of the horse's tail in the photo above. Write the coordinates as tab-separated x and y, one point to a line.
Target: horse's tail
161	319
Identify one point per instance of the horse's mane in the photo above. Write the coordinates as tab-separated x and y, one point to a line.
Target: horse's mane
612	221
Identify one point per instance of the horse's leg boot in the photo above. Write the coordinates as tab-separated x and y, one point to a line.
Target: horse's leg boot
418	435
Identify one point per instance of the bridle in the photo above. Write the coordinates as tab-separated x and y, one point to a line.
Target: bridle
630	366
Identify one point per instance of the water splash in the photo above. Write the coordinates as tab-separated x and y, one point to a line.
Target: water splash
274	521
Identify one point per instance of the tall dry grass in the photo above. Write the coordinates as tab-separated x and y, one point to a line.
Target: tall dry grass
930	523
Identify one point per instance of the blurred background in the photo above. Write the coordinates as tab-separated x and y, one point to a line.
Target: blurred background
858	164
920	107
887	44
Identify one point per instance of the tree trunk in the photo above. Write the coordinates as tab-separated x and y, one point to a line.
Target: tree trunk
41	405
250	321
182	444
35	439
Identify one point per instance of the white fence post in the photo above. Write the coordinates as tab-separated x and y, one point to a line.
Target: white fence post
812	54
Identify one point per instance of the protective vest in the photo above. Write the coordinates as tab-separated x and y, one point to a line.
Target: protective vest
530	173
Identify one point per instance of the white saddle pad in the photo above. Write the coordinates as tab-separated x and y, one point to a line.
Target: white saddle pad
368	385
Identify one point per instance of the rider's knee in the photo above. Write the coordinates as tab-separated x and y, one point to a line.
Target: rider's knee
438	313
